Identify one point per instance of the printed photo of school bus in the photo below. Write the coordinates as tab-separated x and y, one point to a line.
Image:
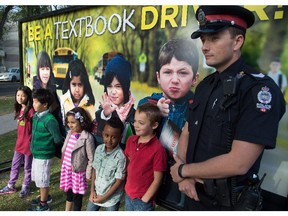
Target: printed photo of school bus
101	65
61	58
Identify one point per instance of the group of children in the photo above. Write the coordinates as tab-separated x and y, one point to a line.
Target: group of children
96	150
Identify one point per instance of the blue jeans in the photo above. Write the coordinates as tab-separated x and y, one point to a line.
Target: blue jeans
137	204
93	207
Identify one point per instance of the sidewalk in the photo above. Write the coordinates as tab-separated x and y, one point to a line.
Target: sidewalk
7	123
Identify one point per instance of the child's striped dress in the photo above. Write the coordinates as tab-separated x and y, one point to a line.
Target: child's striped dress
68	179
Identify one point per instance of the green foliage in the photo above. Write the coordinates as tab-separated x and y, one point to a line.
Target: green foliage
252	47
284	62
13	13
23	11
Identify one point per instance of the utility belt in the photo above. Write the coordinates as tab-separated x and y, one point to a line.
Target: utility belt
215	192
220	193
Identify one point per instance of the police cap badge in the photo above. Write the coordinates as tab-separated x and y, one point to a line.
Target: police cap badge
217	18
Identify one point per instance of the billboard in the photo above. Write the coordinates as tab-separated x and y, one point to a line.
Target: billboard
93	34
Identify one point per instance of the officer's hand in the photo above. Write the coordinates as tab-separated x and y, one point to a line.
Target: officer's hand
174	169
187	186
163	105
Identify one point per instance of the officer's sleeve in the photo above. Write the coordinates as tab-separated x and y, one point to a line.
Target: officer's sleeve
261	109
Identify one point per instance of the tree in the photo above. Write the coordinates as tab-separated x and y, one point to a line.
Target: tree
13	13
4	10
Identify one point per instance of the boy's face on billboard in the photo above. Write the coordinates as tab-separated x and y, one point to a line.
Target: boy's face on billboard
175	79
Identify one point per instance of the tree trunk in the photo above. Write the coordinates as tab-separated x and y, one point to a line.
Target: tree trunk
3	20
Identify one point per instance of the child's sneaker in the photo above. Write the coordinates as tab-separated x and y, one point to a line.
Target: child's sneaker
39	207
37	200
25	191
7	190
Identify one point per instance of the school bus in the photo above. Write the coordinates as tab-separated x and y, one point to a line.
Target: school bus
101	65
61	58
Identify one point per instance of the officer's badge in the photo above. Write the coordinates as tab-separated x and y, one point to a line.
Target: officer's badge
264	98
201	18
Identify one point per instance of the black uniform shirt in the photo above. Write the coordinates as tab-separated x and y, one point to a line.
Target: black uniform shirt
255	111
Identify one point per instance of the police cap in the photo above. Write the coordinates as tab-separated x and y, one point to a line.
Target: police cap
213	19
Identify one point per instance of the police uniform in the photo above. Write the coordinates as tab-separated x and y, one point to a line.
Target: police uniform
237	104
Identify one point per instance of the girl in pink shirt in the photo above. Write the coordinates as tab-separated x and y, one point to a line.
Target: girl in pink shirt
23	113
77	157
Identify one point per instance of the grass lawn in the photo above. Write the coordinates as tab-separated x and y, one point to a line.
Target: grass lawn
13	203
7	104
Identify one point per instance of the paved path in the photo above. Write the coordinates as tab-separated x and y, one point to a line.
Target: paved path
7	123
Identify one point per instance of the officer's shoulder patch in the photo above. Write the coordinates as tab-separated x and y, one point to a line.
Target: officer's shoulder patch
262	98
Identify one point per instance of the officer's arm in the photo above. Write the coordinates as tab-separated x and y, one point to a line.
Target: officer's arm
237	162
183	143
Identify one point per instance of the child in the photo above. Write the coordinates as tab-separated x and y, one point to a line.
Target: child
23	113
45	79
177	74
109	169
77	91
45	137
146	160
118	101
77	157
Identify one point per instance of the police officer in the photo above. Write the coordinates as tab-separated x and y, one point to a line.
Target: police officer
234	116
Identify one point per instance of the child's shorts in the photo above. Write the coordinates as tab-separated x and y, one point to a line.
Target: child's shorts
41	172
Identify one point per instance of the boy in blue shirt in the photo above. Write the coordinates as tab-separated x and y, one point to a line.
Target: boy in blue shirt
109	169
